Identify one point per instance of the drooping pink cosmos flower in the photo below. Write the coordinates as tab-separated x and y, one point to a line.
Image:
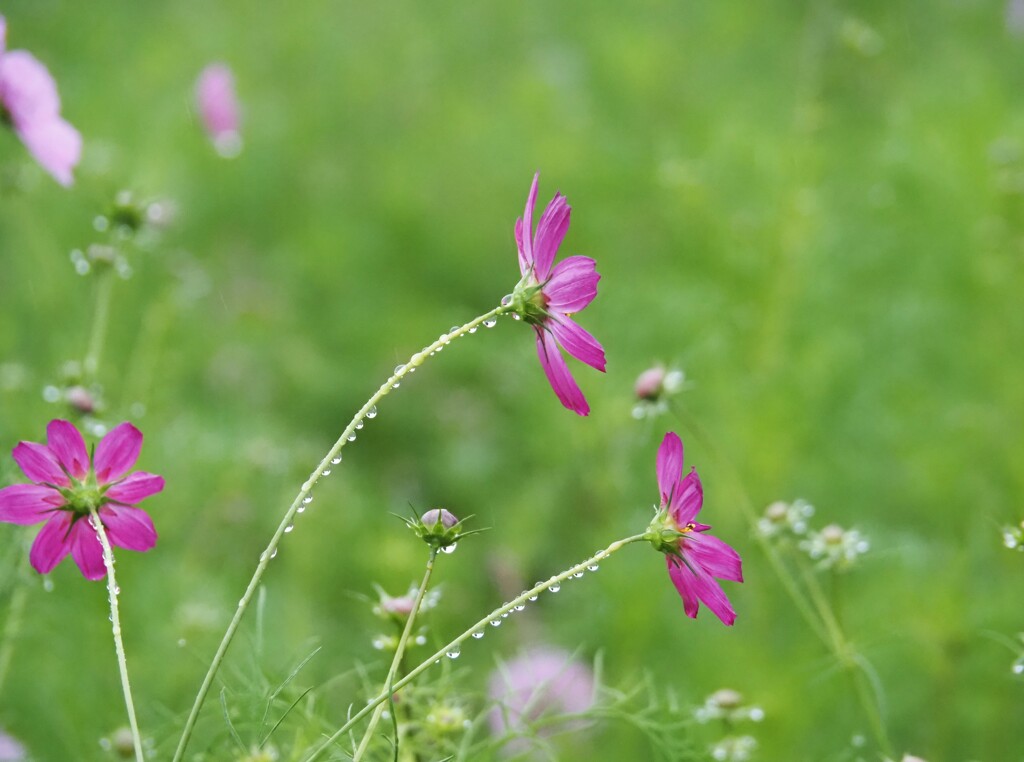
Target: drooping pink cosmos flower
695	559
539	683
67	487
218	108
30	104
546	297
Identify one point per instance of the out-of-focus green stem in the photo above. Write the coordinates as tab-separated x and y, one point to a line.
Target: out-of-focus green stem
15	615
747	507
817	611
521	600
112	592
389	681
98	334
849	659
300	501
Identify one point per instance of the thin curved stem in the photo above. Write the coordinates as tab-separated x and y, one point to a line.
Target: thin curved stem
389	681
301	500
521	600
98	334
112	592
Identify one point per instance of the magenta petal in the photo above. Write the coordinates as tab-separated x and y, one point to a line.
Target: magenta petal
525	227
67	444
524	263
686	585
27	91
686	500
117	452
28	503
711	593
558	374
669	466
87	550
577	341
39	463
714	556
135	487
572	285
130	528
55	144
51	544
551	229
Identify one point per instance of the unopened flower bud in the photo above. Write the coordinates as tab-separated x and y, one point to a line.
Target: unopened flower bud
649	383
653	387
122	743
727	698
832	534
400	607
80	399
439	528
434	515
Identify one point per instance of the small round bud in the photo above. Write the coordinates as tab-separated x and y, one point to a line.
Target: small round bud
122	743
80	399
776	512
649	384
400	607
832	534
727	698
431	518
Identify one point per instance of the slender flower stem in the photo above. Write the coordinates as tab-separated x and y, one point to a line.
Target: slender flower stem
816	612
389	681
12	626
112	592
301	499
104	291
850	660
521	600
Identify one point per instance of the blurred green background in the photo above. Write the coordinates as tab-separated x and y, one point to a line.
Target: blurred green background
816	209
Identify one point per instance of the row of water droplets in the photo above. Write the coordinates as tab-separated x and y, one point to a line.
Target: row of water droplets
308	486
393	383
553	586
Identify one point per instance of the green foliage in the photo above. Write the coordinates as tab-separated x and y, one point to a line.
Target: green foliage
815	209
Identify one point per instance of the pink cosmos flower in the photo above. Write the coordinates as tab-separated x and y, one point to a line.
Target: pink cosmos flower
694	559
218	108
30	104
547	297
541	682
67	487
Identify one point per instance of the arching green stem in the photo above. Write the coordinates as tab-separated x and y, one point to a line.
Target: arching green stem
521	600
300	499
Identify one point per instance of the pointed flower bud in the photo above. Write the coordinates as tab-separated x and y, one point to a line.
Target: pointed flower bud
439	528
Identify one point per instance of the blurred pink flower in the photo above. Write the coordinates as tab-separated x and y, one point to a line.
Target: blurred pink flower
30	104
541	682
66	486
694	559
546	298
218	108
10	749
